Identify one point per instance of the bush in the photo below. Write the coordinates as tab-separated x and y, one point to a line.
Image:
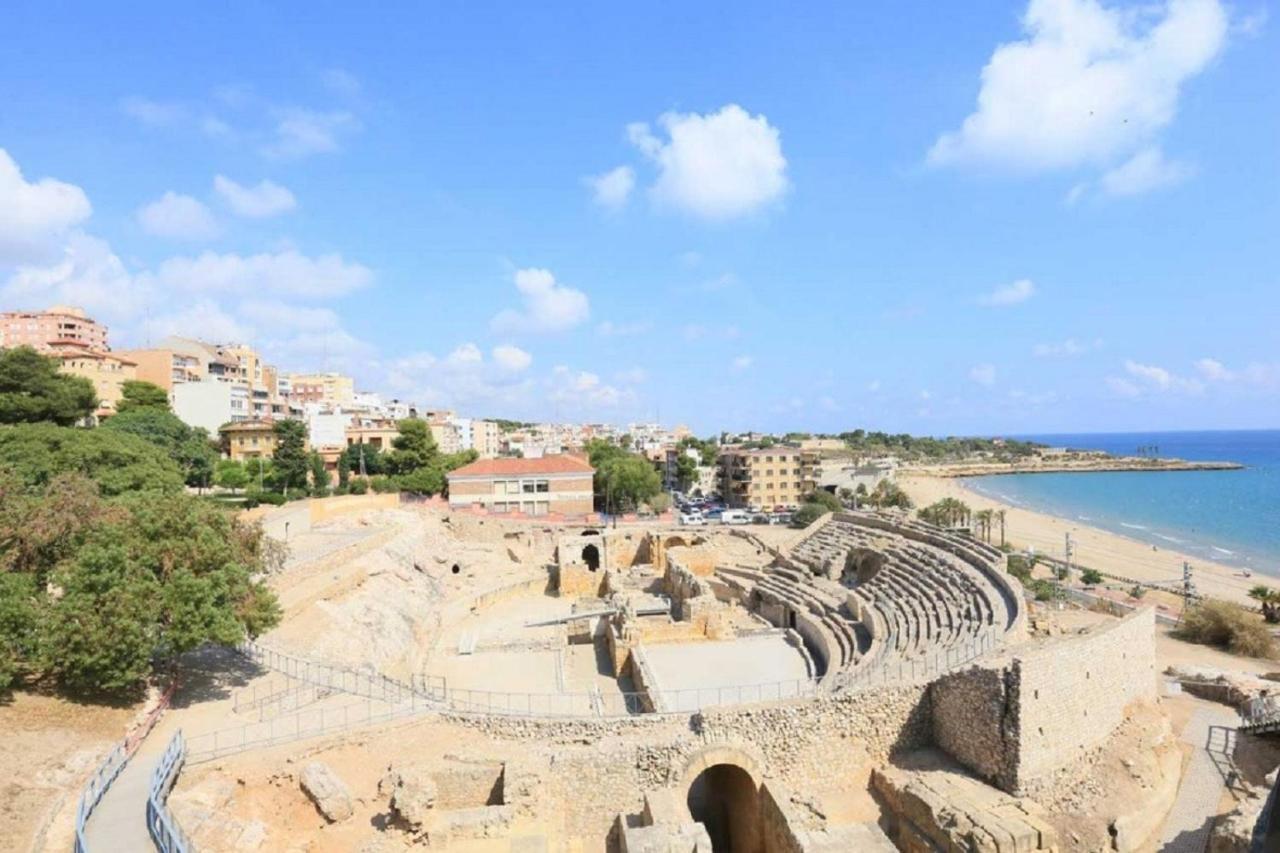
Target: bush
1227	626
1091	577
383	485
358	486
824	499
254	498
1044	590
808	514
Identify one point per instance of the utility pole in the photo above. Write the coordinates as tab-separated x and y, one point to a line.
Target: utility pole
1067	551
1188	587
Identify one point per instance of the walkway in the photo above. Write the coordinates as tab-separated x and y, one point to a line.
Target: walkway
1211	731
119	823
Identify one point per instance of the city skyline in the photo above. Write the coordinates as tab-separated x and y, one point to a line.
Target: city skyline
894	228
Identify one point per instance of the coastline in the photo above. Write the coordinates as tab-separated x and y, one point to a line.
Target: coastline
1094	547
1085	466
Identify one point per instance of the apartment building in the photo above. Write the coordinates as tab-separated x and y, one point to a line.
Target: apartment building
765	477
107	371
249	439
327	389
166	367
53	330
550	484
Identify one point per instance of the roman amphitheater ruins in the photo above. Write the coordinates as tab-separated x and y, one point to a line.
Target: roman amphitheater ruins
447	680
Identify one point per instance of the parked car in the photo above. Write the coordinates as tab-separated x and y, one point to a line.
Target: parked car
713	514
761	518
735	516
692	519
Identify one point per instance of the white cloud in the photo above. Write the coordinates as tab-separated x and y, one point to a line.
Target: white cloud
153	113
1149	373
1070	348
256	202
548	306
1149	377
584	390
1213	370
203	319
511	358
1088	86
87	274
300	132
613	188
632	376
286	273
716	166
179	217
1009	294
1145	171
983	374
610	329
742	362
277	315
35	215
1123	387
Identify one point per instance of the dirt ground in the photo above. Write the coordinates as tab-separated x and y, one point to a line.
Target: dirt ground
50	747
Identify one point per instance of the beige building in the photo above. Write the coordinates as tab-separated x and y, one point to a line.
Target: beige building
486	439
331	389
548	484
107	371
765	478
251	439
377	435
166	367
51	331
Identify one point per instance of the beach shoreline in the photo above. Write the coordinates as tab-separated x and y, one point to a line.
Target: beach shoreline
1093	547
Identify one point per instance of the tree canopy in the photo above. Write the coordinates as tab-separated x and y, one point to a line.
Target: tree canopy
94	589
623	480
191	449
114	459
290	461
33	390
136	394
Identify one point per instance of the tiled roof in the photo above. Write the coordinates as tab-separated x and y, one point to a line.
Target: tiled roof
517	467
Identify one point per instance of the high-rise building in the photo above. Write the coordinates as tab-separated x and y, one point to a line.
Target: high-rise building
764	478
52	330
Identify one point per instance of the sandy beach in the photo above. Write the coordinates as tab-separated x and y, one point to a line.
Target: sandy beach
1099	549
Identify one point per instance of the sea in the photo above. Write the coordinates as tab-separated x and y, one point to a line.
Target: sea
1229	517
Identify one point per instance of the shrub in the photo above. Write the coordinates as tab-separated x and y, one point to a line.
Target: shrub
358	486
1091	577
1044	590
382	485
1228	626
808	514
254	498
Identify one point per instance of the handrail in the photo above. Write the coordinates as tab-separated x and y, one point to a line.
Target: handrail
164	829
113	764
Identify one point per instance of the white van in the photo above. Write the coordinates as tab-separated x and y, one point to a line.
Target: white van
735	516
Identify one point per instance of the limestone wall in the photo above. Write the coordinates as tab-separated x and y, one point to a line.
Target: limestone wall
1015	721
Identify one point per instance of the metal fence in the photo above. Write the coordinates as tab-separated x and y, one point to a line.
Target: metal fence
96	787
164	829
898	670
365	684
314	722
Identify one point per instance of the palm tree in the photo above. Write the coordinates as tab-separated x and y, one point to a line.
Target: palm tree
1000	515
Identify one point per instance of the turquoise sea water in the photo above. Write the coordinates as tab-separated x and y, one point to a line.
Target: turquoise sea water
1230	517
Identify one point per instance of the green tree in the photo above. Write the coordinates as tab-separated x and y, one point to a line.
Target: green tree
414	447
290	461
824	499
190	448
686	471
136	394
33	390
231	474
808	514
344	472
319	475
1091	577
374	460
116	461
628	482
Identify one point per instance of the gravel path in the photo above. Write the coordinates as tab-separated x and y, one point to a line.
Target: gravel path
1211	732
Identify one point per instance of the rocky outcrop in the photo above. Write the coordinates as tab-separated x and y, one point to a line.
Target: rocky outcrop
931	810
327	791
413	795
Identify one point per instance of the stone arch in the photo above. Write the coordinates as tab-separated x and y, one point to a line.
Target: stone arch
590	531
591	556
721	788
675	542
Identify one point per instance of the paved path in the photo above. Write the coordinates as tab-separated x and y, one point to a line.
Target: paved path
119	823
1211	732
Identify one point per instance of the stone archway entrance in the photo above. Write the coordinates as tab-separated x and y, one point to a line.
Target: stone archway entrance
725	799
591	556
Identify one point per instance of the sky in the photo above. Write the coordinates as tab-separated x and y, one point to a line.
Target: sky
1001	218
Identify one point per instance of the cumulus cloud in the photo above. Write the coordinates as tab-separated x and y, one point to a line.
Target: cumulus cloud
286	273
1070	348
152	113
583	390
35	215
1143	172
1009	294
301	132
1213	370
263	200
178	217
983	374
87	274
715	166
1089	85
511	358
547	305
613	188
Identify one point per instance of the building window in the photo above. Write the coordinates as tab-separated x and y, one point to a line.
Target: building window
543	486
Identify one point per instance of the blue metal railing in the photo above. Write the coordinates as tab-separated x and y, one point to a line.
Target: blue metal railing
164	830
96	787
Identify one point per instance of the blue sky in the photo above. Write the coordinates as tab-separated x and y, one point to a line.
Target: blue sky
1055	216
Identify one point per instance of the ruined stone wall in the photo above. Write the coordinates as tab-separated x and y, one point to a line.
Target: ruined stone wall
1016	721
1071	695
